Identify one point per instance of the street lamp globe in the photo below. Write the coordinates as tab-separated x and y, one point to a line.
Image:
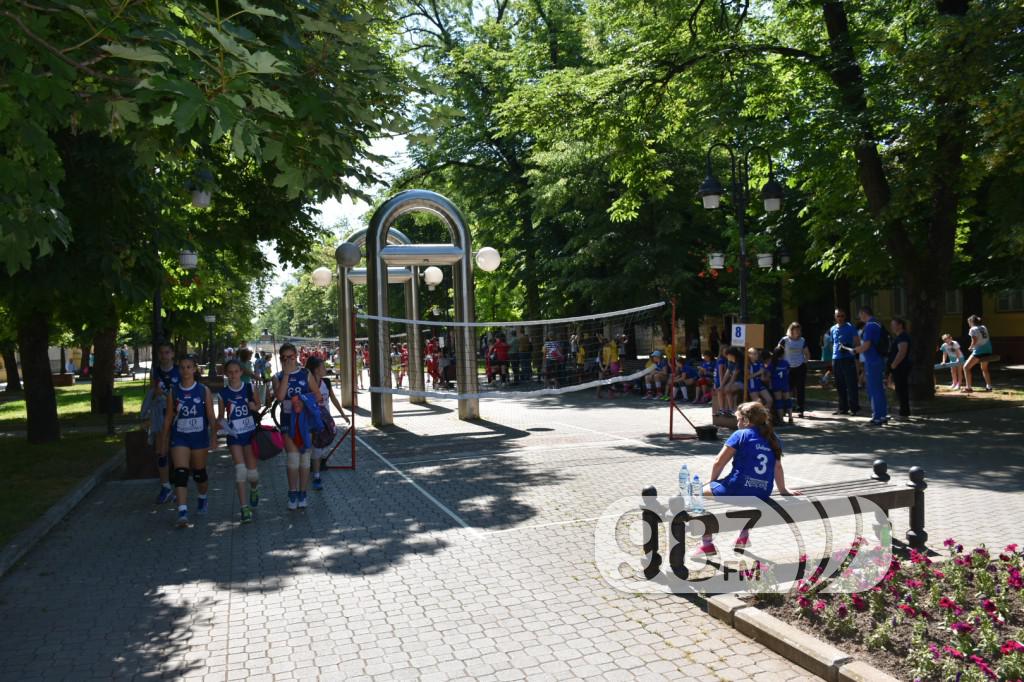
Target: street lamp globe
347	254
488	259
432	276
188	259
711	192
322	277
716	260
765	260
771	193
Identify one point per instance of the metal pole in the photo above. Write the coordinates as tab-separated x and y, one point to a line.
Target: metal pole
740	201
213	356
346	336
415	338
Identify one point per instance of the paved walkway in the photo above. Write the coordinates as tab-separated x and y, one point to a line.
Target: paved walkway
454	550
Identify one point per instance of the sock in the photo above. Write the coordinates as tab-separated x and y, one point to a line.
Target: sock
705	541
182	508
166	484
316	476
202	497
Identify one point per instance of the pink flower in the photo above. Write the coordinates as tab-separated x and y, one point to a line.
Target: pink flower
947	603
988	605
1012	549
1011	646
961	561
918	558
819	606
952	651
803	602
938	574
842	611
908	609
948	542
858	602
962	628
913	583
980	551
983	666
1015	580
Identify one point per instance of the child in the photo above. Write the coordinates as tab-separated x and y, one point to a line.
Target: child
318	371
779	373
238	402
292	381
756	456
609	359
689	374
758	376
165	379
659	376
718	397
954	356
732	384
704	378
188	435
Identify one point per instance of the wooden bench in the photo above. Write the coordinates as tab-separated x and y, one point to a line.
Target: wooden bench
877	489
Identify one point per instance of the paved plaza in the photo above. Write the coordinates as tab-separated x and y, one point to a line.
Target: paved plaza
454	550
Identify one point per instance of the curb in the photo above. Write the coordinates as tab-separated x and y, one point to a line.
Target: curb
793	644
24	541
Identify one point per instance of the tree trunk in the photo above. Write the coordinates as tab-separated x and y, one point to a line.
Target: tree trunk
105	343
11	363
40	398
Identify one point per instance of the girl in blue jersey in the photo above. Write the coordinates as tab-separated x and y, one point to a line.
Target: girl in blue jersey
718	399
732	384
756	456
238	406
291	381
165	378
189	436
778	372
758	377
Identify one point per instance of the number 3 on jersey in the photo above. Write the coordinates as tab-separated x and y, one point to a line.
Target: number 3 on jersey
763	464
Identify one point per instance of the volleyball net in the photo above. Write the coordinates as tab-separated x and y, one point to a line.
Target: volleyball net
522	359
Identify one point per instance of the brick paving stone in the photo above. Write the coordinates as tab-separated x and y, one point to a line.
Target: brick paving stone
376	580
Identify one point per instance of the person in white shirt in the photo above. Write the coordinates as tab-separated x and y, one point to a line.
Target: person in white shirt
951	353
797	355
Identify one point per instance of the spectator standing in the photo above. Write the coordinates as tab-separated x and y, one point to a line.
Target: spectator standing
871	349
844	365
981	352
797	356
899	363
523	349
713	343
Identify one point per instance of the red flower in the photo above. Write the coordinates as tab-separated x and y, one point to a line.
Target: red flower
962	628
701	274
729	269
858	602
988	605
908	609
819	606
948	542
1015	580
983	666
947	603
913	583
918	558
955	653
938	574
714	274
1010	548
842	611
803	602
1011	646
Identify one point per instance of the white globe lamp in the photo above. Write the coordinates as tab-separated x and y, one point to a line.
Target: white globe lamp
488	259
322	277
432	276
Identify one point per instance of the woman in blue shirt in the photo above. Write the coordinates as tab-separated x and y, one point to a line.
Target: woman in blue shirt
756	456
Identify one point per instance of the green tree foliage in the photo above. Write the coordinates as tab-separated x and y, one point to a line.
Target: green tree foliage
297	88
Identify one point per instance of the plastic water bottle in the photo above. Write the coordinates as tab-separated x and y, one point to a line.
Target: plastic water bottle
697	495
684	485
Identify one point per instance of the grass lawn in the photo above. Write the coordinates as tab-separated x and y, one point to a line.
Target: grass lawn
73	405
36	476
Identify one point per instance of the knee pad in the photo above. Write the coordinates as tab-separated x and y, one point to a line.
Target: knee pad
252	475
293	460
240	472
304	460
179	477
199	475
162	461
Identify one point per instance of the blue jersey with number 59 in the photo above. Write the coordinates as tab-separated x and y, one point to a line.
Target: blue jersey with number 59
753	465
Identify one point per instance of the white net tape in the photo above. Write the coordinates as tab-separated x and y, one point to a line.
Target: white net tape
527	359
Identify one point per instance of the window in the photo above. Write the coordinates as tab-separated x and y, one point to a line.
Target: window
1010	300
899	302
954	302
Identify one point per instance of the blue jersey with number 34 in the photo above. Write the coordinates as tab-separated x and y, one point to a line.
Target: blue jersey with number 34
753	465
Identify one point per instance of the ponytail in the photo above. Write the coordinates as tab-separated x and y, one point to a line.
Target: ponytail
757	416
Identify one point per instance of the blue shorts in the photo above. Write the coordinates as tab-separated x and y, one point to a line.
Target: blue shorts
721	489
243	439
192	441
780	388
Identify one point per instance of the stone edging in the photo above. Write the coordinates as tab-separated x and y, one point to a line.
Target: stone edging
17	548
793	644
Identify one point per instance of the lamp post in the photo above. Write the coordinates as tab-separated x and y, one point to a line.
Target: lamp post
711	192
210	319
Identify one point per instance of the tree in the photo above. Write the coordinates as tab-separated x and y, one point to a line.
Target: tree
301	88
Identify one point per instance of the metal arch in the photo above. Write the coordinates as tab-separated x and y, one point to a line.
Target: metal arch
346	304
409	201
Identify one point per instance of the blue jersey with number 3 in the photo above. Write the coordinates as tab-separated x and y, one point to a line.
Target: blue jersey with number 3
753	465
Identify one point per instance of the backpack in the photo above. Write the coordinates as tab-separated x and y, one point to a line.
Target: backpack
884	341
267	443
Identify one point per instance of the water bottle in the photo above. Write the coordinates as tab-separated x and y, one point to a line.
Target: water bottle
697	495
684	485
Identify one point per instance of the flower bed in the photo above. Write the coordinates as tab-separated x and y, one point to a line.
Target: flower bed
961	619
